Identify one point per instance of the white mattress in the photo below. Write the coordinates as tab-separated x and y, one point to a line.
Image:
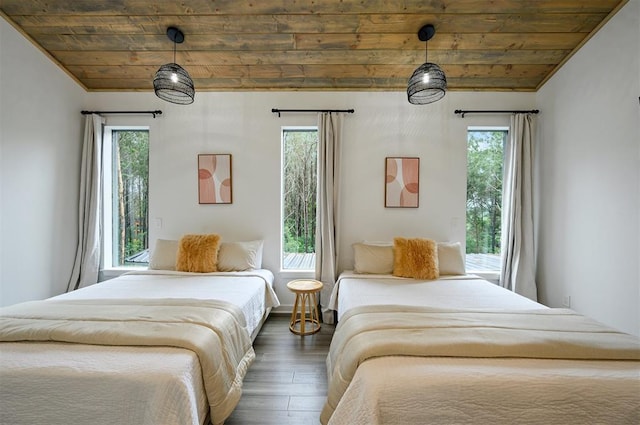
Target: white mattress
252	291
455	292
62	384
401	390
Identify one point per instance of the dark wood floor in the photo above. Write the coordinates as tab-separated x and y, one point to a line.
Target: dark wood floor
287	383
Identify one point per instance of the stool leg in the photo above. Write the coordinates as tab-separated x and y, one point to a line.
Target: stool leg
315	309
312	316
294	313
310	312
303	313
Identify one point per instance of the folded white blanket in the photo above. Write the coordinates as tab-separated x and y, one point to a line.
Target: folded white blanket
378	331
214	330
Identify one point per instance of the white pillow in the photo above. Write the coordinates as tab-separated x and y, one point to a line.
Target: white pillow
164	255
450	258
240	256
372	258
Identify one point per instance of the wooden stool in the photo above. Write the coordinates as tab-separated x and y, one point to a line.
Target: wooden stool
305	307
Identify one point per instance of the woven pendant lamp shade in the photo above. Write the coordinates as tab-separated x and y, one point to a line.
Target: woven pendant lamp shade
421	92
172	82
428	82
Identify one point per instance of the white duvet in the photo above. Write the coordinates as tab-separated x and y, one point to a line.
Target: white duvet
251	291
62	384
59	383
447	390
459	292
401	389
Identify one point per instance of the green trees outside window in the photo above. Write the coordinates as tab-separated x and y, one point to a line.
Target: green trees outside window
485	159
130	208
300	185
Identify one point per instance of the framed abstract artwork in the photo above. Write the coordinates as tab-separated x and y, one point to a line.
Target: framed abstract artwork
401	182
214	179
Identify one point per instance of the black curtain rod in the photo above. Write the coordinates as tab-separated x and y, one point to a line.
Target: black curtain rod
463	112
154	113
279	111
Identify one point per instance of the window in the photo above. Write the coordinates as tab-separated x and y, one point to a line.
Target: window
485	160
299	190
126	202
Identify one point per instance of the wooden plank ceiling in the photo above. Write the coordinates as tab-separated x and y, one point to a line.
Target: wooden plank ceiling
117	45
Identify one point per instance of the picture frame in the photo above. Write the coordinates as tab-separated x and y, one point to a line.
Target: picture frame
402	182
214	179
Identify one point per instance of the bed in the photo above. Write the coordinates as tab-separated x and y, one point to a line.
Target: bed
148	347
460	349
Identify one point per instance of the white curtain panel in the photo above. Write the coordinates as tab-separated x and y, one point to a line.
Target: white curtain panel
329	153
518	258
87	262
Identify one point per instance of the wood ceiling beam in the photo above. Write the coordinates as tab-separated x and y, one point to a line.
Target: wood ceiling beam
329	57
310	24
252	7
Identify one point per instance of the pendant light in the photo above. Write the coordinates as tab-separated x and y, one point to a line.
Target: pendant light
428	82
172	82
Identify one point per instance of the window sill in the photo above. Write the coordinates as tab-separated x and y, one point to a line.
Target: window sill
106	274
491	276
297	274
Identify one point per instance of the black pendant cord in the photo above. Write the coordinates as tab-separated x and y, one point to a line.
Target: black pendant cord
280	111
464	112
426	51
174	51
154	113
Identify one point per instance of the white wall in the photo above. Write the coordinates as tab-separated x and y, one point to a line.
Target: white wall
242	124
40	151
589	187
40	132
589	175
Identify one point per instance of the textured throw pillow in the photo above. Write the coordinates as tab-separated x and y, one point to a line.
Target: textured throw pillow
372	258
164	255
450	259
416	258
198	253
240	256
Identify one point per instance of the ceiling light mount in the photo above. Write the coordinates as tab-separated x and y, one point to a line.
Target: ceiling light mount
175	35
428	83
426	32
172	82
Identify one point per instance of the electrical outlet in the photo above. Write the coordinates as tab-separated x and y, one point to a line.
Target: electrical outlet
566	301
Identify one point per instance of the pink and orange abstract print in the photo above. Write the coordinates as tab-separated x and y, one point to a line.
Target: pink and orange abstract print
214	179
401	182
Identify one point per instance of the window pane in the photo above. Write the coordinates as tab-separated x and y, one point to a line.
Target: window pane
299	186
130	204
485	158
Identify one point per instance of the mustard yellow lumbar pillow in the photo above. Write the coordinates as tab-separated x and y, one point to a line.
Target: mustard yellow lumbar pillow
416	258
198	253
